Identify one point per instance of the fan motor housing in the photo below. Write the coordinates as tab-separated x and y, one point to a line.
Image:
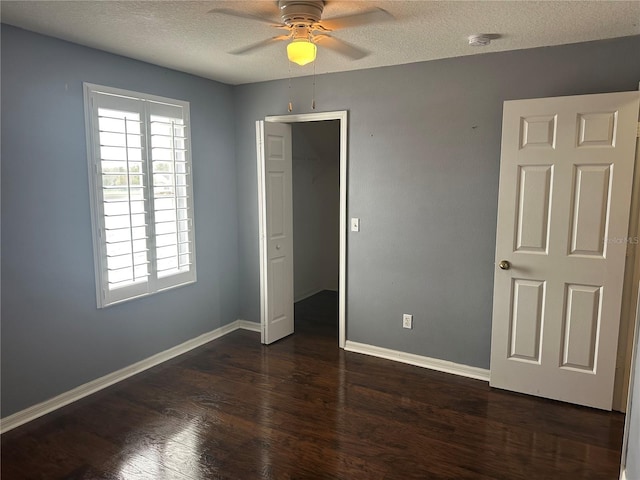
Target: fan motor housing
300	12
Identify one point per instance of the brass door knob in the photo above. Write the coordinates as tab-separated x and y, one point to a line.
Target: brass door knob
504	265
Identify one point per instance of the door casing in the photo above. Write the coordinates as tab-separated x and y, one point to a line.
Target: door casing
630	297
342	280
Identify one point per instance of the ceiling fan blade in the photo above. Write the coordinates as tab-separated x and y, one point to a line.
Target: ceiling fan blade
258	45
372	16
340	46
235	13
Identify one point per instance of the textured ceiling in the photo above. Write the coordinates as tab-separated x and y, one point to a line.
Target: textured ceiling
182	34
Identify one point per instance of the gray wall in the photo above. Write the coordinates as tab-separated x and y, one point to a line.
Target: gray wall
316	206
424	154
53	336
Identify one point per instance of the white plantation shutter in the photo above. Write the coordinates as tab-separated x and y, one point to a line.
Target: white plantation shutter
142	202
171	191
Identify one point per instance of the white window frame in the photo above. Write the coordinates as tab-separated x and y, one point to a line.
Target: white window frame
97	96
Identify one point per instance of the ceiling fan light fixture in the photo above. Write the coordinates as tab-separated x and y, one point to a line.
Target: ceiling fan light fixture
301	51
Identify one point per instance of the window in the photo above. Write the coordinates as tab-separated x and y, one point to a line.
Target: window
141	197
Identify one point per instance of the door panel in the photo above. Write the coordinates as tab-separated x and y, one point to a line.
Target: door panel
597	129
526	320
276	226
565	188
275	203
278	282
581	324
590	209
533	208
538	131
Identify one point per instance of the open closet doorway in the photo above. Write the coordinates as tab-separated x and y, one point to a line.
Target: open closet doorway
316	225
318	137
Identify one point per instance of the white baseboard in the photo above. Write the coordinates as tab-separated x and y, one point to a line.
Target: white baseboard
40	409
419	360
247	325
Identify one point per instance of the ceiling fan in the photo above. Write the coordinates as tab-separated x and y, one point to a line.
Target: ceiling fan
303	21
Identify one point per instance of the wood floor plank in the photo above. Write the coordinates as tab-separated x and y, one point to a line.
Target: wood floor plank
304	409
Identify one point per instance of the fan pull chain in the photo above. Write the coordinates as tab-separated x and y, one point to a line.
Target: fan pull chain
290	106
313	98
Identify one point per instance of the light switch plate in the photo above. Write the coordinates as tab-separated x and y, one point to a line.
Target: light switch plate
355	224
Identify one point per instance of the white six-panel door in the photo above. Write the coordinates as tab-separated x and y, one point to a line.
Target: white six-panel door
276	227
566	173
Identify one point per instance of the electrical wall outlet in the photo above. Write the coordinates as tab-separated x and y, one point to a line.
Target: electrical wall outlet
407	320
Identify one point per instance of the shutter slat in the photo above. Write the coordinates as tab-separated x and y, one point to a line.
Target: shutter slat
125	282
119	269
174	255
174	268
129	254
129	120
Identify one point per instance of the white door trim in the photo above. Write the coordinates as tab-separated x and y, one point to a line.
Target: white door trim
342	282
631	402
630	297
262	213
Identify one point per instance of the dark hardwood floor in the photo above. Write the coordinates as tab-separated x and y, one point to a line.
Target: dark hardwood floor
304	409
